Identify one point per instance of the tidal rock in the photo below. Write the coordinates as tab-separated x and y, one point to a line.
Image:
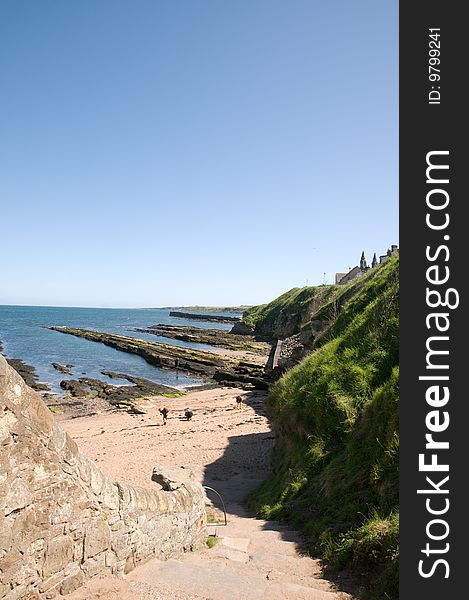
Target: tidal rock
62	368
211	337
204	317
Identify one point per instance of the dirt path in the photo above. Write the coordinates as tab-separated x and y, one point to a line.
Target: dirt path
230	449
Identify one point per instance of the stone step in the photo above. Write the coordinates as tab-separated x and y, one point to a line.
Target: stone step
265	554
236	543
273	566
214	582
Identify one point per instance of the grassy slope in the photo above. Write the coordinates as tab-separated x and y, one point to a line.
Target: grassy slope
286	314
335	465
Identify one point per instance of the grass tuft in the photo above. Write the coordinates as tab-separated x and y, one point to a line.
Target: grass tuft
212	541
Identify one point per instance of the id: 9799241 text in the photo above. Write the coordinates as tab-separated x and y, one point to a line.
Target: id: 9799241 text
434	74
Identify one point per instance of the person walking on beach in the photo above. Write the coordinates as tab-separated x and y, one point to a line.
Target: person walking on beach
164	411
239	402
188	414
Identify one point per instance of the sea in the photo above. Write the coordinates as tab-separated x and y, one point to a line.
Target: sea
24	335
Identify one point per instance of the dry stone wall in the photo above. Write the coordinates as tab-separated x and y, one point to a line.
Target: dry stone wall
63	521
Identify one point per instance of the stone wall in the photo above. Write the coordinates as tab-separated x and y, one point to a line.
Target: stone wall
62	520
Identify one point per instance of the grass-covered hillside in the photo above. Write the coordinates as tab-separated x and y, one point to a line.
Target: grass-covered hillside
335	464
288	313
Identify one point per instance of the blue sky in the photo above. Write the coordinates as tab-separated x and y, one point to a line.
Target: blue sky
158	153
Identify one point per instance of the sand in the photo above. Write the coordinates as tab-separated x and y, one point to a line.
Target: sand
220	440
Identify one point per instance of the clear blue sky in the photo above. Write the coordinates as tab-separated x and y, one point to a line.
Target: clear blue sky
157	152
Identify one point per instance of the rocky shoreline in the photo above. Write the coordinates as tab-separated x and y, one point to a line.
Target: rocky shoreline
229	367
205	364
237	310
204	317
212	337
88	393
27	372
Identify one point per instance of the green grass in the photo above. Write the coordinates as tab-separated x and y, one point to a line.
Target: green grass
212	541
55	409
335	470
173	395
285	315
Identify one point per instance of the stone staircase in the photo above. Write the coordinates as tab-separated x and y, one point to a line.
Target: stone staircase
261	566
251	560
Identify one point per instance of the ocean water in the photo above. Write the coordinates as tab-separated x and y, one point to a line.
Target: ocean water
24	335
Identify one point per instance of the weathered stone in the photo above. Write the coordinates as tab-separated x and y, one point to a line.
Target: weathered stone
7	421
10	565
58	554
26	574
95	565
97	480
4	590
40	416
62	521
72	582
110	495
167	483
58	439
70	451
17	496
97	538
129	564
120	546
16	593
50	582
110	559
6	533
31	596
36	547
84	468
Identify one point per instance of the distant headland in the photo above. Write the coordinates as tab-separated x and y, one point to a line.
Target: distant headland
204	309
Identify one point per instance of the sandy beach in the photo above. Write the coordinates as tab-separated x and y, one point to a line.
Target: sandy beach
220	440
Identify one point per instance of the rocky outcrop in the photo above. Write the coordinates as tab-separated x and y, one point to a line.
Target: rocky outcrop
121	396
204	317
242	328
212	337
28	373
164	356
62	521
238	310
207	364
62	368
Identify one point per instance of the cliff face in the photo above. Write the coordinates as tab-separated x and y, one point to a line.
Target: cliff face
335	461
62	520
